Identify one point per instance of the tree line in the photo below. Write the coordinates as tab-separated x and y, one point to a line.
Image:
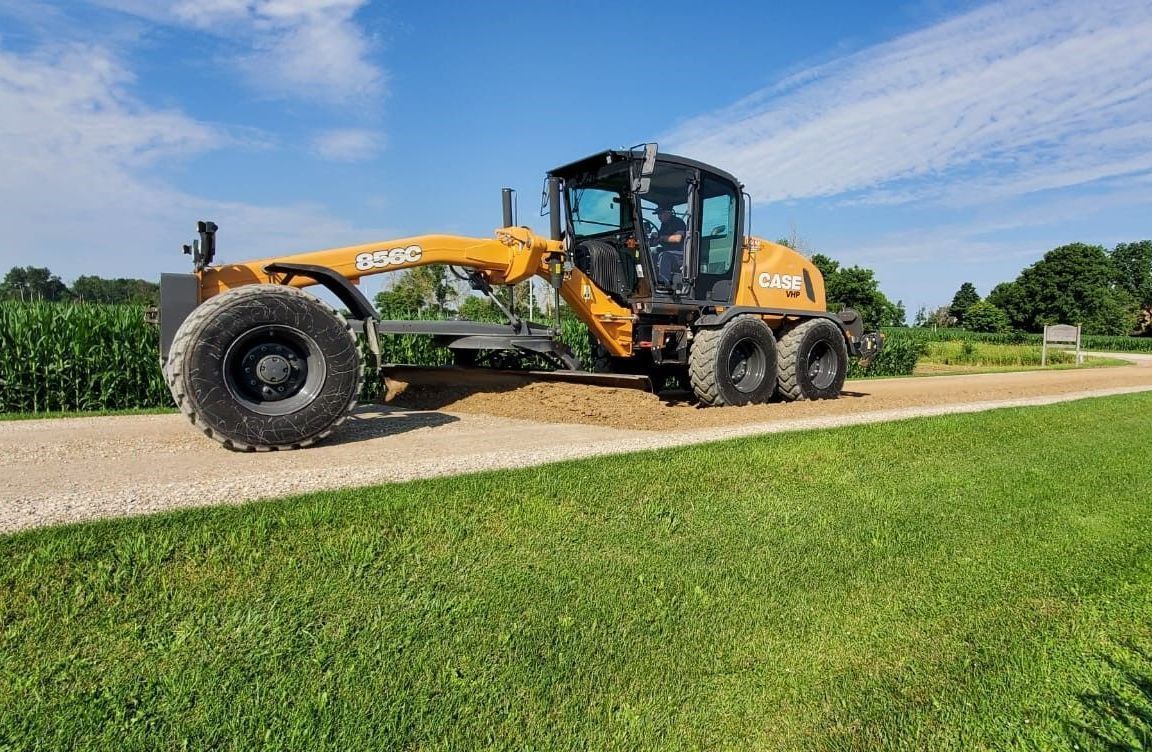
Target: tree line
1105	292
30	283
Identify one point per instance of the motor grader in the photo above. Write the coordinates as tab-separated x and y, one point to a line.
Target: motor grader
258	364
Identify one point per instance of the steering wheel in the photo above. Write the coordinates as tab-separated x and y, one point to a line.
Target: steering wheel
649	227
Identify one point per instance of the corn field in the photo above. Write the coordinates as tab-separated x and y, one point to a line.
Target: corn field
90	357
84	357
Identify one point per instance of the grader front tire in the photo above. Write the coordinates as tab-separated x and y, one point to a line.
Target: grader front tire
265	367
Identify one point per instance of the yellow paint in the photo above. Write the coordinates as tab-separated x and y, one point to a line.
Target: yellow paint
763	261
514	255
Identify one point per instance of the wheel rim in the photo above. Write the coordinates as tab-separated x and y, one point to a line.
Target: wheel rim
821	366
274	369
747	364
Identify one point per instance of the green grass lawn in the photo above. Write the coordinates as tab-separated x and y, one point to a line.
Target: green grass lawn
89	413
967	582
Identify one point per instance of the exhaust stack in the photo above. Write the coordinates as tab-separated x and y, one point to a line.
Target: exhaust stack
506	202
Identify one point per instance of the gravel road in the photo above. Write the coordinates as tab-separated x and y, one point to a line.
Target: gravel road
66	470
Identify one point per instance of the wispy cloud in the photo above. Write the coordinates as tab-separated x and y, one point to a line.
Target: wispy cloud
347	144
293	49
80	190
75	97
1008	99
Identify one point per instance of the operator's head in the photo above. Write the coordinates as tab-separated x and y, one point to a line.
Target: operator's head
664	212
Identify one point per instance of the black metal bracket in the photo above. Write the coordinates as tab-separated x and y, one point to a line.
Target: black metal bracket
478	283
203	250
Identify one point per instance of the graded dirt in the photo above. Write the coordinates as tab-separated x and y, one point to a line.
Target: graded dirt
637	410
72	469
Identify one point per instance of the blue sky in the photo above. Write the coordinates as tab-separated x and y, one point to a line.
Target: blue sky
935	143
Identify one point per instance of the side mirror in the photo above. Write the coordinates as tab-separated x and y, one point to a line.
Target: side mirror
643	182
649	159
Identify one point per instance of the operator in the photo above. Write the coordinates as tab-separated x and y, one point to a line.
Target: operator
670	236
670	240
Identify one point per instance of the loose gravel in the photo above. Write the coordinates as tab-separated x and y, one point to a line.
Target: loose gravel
75	469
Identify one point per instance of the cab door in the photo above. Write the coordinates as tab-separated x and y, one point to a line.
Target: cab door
718	241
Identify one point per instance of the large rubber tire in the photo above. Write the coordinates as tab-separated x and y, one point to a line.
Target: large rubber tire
813	361
265	367
734	365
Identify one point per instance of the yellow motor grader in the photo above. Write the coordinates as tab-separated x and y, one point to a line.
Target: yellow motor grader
649	250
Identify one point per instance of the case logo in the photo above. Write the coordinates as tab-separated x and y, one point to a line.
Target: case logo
781	281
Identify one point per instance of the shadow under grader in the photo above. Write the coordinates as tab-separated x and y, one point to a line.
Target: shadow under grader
437	397
375	421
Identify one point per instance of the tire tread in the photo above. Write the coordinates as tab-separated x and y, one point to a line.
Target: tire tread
190	331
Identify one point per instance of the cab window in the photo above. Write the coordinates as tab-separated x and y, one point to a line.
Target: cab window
717	228
596	211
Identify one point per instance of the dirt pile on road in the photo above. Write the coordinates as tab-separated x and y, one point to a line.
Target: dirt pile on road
548	402
632	409
545	402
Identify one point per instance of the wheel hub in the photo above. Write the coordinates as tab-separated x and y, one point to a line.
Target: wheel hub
273	369
821	366
746	366
268	370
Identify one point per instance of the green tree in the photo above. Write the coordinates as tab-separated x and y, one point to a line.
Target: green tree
934	317
897	315
93	289
941	318
1072	284
479	308
856	287
983	316
964	298
828	267
417	290
1008	297
32	283
1133	267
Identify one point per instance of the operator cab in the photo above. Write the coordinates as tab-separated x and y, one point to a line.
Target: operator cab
653	228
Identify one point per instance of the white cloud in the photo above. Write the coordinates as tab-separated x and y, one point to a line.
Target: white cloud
75	98
1007	99
347	145
310	49
78	189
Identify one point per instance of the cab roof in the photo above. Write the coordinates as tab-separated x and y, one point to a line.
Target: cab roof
599	160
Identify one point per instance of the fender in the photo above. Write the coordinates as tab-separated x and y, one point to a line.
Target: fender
714	320
336	282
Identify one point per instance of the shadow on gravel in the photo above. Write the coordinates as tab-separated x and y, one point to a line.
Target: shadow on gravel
375	421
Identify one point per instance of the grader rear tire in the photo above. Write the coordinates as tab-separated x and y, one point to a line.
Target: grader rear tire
813	361
265	367
734	365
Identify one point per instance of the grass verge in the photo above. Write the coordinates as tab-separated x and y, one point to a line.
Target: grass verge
967	582
967	356
89	413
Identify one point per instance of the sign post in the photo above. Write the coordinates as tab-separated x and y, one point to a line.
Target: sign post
1061	334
